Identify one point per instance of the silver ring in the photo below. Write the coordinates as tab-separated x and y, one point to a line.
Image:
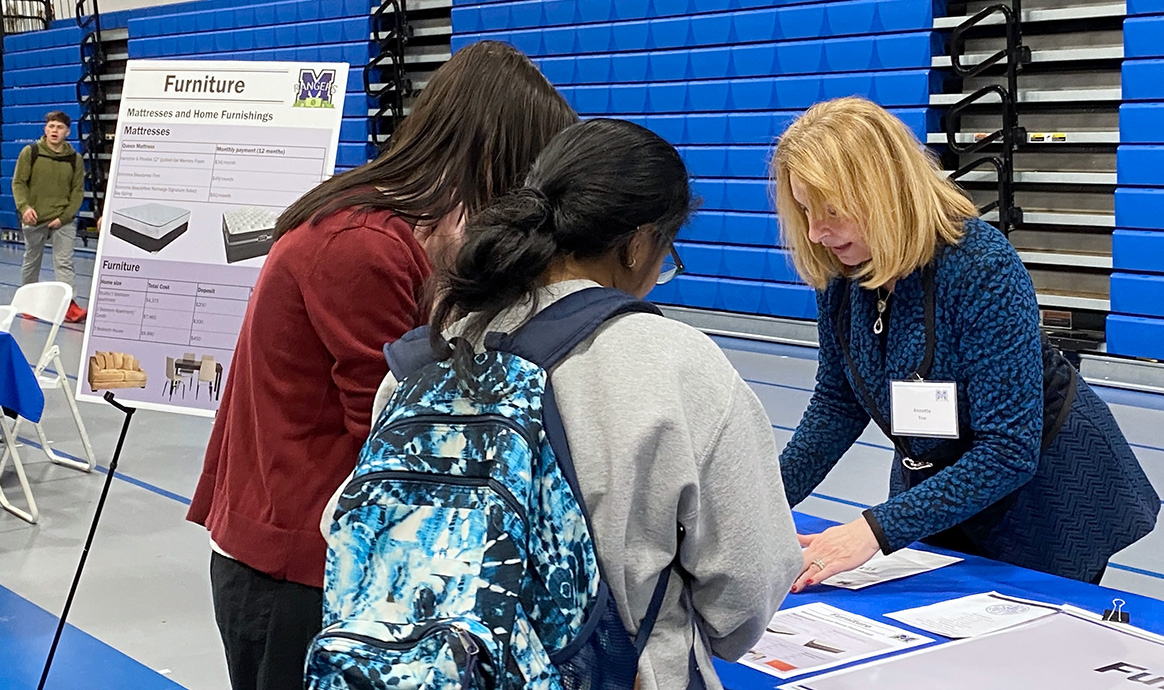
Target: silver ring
819	563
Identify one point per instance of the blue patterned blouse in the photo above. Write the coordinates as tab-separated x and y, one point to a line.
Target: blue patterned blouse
987	342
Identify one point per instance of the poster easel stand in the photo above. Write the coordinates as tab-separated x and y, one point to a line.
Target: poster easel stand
92	531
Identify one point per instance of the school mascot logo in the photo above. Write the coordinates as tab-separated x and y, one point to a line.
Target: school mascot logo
315	90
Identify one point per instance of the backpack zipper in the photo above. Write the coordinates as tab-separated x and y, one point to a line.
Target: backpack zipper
458	629
456	480
450	420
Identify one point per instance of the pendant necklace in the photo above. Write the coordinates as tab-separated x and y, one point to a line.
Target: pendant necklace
882	305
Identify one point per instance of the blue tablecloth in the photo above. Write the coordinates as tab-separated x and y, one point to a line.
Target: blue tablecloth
19	389
973	576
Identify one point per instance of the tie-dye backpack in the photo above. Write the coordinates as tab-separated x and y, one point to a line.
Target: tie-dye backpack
461	554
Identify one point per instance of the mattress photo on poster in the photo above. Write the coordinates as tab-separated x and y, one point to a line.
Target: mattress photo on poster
248	232
151	226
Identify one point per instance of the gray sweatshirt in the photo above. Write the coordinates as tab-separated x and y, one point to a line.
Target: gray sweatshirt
663	430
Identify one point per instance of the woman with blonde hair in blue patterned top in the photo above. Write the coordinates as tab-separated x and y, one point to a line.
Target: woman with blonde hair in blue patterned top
928	325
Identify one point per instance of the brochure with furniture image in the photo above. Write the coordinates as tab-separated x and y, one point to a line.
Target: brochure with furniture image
149	226
207	155
817	636
1064	651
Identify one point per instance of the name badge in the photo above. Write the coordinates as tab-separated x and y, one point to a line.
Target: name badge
928	409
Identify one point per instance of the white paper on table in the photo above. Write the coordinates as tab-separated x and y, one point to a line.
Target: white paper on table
817	636
882	568
1060	651
973	615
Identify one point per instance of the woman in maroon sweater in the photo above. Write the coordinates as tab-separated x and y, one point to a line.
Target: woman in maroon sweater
347	274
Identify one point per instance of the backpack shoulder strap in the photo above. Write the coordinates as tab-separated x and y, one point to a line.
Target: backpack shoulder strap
553	332
410	353
33	154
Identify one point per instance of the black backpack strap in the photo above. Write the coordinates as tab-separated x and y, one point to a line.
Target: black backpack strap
546	339
553	332
33	154
410	353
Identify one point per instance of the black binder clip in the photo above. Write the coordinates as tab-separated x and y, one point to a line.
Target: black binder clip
1116	614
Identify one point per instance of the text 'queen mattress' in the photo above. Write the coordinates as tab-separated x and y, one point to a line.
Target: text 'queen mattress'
150	226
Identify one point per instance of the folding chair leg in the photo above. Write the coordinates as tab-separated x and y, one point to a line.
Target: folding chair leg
32	514
90	461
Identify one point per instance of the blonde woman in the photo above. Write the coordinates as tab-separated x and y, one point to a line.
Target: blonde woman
928	325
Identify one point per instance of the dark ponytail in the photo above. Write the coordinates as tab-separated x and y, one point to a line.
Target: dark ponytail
588	193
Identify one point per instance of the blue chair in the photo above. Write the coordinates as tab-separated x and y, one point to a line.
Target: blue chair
629	67
800	57
669	66
851	18
595	69
1142	37
779	268
1139	208
711	128
745	263
752	94
705	226
750	61
1135	336
712	193
742	296
629	36
628	98
559	12
906	15
595	11
708	96
789	301
696	291
529	41
750	128
1140	166
706	161
849	54
1145	7
1140	123
1143	80
592	100
495	17
466	20
559	70
757	26
595	39
747	161
701	259
802	22
1139	295
670	127
625	10
797	92
755	229
667	97
899	88
907	50
712	30
673	32
1139	251
747	195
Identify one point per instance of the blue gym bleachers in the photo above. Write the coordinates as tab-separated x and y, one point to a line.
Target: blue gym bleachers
721	79
1135	326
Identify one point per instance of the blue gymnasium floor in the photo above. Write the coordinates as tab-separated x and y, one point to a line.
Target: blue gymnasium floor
143	617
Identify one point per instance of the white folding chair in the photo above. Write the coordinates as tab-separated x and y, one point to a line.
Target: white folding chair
49	301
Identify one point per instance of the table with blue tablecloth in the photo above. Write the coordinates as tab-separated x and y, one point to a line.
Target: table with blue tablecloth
19	390
972	576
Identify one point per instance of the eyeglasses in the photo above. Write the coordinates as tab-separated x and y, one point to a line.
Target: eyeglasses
672	266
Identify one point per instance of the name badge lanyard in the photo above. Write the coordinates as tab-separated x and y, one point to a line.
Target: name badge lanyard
842	325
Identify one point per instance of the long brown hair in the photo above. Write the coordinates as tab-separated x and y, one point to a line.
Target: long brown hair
473	134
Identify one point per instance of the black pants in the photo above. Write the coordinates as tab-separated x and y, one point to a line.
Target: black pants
265	623
955	539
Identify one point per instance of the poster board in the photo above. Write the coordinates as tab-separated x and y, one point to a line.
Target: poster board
206	156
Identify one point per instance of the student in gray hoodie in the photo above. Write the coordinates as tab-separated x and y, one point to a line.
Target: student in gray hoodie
662	429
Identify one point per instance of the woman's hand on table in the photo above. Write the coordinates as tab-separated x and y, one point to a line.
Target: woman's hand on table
837	549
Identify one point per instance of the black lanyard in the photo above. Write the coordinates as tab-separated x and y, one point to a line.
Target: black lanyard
909	460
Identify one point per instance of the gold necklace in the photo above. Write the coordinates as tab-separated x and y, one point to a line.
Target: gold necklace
882	306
